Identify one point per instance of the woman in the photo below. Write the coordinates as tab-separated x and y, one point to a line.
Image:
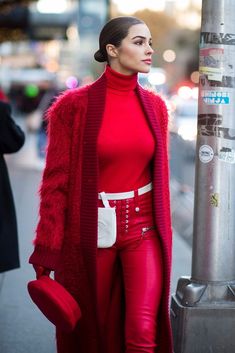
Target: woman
110	137
11	140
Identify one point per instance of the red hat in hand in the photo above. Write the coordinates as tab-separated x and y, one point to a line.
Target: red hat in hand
55	302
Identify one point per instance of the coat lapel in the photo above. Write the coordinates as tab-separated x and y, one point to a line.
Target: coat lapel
89	200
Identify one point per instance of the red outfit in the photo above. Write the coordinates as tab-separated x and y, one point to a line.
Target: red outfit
66	238
125	148
125	143
138	251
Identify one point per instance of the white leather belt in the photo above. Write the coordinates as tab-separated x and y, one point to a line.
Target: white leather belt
128	194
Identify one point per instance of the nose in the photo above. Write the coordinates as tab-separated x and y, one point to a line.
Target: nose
149	49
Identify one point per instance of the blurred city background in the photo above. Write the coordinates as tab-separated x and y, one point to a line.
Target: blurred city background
46	47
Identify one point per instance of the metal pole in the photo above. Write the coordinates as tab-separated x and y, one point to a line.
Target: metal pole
203	308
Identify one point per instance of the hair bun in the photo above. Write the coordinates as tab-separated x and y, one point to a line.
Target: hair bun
99	56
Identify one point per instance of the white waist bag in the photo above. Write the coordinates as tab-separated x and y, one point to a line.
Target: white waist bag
107	224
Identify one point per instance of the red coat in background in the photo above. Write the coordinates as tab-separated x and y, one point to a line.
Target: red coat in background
66	239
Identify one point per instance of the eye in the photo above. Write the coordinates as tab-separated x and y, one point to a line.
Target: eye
139	42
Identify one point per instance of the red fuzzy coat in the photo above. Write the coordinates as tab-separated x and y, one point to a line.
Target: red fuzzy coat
66	238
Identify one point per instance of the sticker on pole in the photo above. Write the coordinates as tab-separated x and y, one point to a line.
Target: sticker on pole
214	97
214	199
227	155
206	153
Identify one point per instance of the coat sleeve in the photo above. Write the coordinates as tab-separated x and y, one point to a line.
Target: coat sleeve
54	187
11	136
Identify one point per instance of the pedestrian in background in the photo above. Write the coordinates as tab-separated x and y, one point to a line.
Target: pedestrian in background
11	140
108	147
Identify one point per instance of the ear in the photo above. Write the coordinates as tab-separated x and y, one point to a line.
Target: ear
111	50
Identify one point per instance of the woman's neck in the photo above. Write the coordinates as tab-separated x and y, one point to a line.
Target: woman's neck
120	82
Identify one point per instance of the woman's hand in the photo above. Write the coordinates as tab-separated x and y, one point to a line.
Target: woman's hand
41	271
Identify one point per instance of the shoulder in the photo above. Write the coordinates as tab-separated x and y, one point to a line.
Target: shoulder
68	105
157	99
70	100
159	105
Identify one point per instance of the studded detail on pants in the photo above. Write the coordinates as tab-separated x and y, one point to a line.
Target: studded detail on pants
139	251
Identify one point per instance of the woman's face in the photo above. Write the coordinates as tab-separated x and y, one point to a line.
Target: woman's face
135	52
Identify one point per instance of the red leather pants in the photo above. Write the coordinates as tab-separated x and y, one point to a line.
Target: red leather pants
139	251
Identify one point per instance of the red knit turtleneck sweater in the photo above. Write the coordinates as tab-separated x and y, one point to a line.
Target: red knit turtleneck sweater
125	142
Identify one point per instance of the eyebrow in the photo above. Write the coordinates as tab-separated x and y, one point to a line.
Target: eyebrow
142	37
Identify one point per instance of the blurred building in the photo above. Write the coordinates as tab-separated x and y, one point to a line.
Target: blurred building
48	42
45	43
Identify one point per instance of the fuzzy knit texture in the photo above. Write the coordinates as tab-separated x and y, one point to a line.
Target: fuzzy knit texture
66	236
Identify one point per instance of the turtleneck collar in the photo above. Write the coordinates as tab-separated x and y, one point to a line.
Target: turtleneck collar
120	82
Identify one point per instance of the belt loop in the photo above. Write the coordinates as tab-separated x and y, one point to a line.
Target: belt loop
136	200
136	193
104	199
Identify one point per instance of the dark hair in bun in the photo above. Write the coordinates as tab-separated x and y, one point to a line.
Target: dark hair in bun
100	57
114	32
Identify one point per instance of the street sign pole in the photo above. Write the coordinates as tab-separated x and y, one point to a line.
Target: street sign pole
203	307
